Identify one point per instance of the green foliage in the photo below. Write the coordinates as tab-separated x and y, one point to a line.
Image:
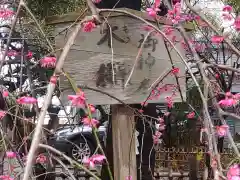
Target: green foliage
235	4
44	8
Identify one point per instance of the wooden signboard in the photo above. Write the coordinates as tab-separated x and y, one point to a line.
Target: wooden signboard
91	61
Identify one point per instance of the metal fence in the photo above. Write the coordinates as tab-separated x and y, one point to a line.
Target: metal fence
175	162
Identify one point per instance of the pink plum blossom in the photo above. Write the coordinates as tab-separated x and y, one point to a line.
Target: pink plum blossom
89	26
161	127
191	115
5	93
129	178
169	101
48	62
6	177
234	172
77	100
222	130
90	122
154	9
91	161
237	23
41	158
2	114
26	100
156	137
166	113
161	120
217	39
12	53
227	8
29	54
175	71
11	154
53	79
91	108
228	102
6	13
96	1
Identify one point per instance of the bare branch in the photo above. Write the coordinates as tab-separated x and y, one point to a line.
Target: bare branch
71	161
48	99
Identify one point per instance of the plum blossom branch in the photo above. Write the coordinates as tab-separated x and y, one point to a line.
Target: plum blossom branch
71	161
212	27
206	79
90	120
48	98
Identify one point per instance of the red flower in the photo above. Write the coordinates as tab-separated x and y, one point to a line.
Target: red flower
2	114
234	172
6	13
169	101
175	14
53	79
26	100
168	31
77	100
48	62
175	71
96	1
90	122
41	159
214	163
236	96
227	8
156	137
29	54
191	115
5	93
161	120
228	102
90	162
237	23
6	177
166	113
11	154
12	53
88	26
92	108
222	130
152	11
228	94
144	104
157	3
129	178
217	39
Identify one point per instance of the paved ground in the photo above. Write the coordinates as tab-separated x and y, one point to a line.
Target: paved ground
18	170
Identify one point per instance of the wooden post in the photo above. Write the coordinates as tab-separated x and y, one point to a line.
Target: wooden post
124	150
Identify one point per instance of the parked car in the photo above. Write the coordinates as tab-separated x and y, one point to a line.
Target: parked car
77	140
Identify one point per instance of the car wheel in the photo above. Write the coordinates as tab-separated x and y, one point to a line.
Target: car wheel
82	148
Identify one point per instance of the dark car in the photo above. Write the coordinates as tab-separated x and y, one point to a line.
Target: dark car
78	141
